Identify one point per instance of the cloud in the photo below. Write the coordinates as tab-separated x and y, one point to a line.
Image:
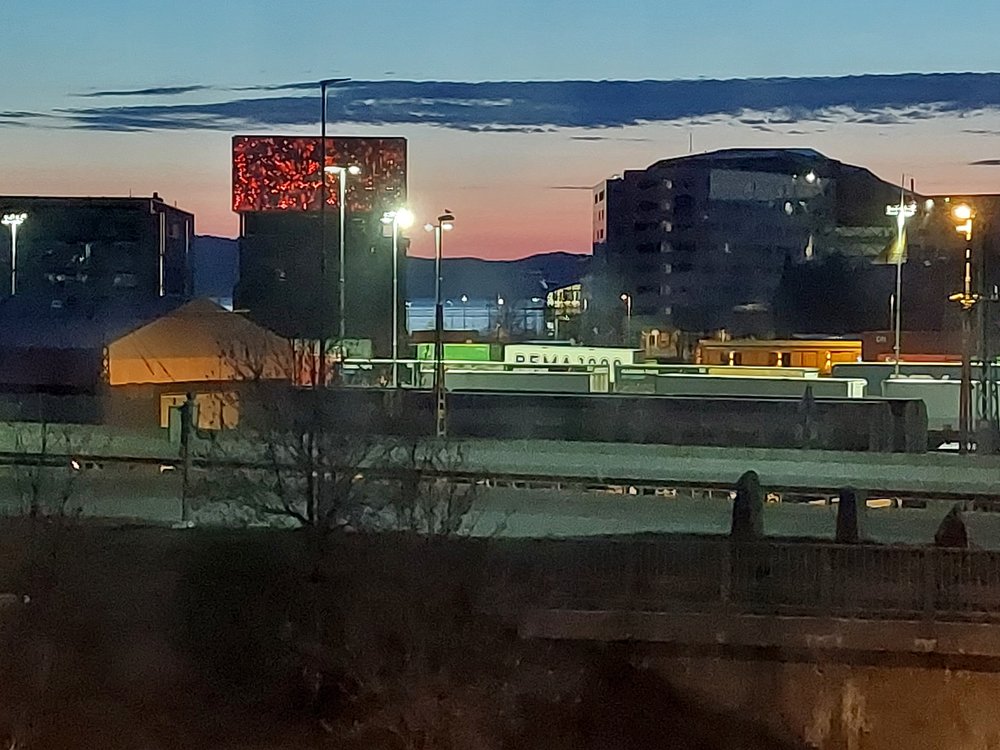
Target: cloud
608	138
153	91
544	106
985	163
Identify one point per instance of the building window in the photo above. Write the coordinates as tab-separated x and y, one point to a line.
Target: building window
667	268
665	290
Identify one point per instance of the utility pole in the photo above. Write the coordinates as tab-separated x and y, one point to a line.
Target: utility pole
188	416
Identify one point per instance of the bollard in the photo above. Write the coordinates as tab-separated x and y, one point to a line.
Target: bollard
748	509
851	510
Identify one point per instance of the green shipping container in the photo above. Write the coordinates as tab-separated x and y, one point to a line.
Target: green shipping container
462	352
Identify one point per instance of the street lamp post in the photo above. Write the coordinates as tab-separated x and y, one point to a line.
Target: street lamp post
500	304
324	86
401	218
627	299
13	221
465	303
342	175
902	212
967	299
445	223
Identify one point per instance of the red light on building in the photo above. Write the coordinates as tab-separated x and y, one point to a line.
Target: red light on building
282	173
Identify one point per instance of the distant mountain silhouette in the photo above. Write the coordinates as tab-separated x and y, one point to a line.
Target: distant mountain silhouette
486	279
215	263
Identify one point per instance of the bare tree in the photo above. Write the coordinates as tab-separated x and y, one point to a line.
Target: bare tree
430	494
44	469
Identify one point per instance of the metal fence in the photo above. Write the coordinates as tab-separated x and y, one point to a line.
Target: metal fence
779	578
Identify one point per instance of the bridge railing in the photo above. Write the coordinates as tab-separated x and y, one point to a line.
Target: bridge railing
777	578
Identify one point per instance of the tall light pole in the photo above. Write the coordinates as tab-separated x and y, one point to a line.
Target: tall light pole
342	175
500	303
627	299
465	306
401	218
964	213
445	223
324	86
13	221
902	212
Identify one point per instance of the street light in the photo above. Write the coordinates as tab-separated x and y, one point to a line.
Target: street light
627	299
445	223
964	213
465	303
13	221
500	304
902	212
401	218
342	174
324	86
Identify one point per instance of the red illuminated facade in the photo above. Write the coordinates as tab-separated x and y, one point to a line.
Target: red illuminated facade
282	173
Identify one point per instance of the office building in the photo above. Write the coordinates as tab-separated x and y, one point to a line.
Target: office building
712	241
64	250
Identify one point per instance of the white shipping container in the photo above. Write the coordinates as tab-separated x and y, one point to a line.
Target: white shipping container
606	358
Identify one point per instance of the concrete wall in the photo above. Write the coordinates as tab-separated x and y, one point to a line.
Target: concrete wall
831	706
671	384
847	425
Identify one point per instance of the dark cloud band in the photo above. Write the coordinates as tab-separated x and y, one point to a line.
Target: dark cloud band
153	91
539	106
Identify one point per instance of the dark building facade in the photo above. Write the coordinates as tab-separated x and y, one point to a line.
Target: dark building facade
712	241
71	249
290	241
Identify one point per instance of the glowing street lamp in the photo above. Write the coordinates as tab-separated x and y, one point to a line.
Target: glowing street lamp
902	212
627	299
964	213
445	223
13	221
401	218
342	175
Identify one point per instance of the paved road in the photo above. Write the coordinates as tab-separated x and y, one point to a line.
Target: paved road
144	494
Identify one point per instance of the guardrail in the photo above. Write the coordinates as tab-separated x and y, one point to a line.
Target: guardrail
765	578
